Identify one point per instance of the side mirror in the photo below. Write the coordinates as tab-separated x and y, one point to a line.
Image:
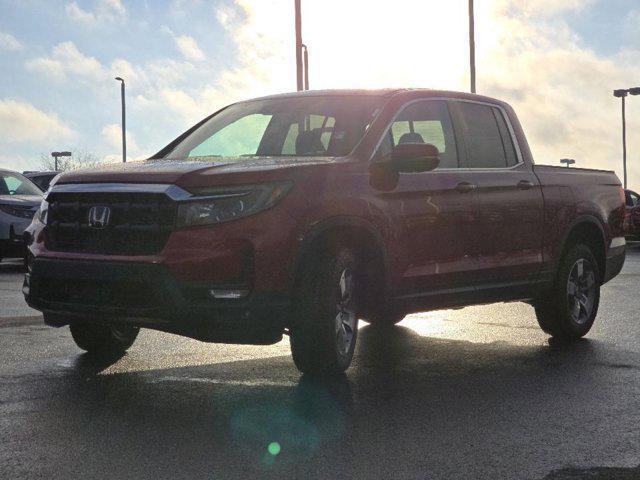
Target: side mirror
415	157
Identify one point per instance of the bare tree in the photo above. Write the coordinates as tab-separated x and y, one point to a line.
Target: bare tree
80	158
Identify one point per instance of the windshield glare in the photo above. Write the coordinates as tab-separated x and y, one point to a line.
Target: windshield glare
326	126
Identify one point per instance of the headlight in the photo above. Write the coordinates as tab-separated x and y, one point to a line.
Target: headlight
222	204
42	212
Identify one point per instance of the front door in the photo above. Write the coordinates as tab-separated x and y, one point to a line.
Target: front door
434	212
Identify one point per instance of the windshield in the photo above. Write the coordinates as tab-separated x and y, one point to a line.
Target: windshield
328	126
16	184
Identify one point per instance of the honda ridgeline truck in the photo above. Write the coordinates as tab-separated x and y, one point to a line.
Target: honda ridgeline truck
302	213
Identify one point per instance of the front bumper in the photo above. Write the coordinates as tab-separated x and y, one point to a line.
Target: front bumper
148	295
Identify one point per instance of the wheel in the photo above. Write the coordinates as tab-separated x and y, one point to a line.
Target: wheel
572	306
325	330
102	338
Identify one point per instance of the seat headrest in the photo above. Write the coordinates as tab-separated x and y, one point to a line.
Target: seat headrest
310	143
411	138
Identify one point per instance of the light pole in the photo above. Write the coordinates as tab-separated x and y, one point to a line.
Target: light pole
56	155
568	161
622	94
124	121
300	84
472	47
302	53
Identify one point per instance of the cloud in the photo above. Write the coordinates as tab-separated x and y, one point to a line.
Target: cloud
112	134
66	60
105	11
17	162
182	7
22	122
186	45
9	43
189	48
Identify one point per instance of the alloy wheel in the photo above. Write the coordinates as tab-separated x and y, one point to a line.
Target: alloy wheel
581	291
346	320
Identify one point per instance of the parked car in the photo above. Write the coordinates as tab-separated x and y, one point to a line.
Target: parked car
632	217
41	179
19	200
303	213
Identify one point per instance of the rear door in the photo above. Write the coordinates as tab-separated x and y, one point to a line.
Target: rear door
434	211
509	238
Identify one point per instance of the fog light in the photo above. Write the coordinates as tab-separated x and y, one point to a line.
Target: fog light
228	294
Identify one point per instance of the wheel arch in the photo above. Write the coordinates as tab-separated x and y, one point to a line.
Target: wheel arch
355	232
588	230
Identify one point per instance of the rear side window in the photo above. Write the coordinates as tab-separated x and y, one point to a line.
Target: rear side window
487	136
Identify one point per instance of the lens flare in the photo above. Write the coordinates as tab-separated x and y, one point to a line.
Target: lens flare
274	448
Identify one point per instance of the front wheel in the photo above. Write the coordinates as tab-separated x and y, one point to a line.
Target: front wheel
102	338
324	333
571	308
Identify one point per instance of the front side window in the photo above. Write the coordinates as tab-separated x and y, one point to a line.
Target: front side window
325	126
426	121
15	184
487	136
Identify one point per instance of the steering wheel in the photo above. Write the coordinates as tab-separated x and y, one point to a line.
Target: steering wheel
12	192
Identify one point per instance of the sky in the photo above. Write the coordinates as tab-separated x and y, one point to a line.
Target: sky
555	61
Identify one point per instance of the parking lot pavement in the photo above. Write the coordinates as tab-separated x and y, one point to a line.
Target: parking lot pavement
478	393
12	304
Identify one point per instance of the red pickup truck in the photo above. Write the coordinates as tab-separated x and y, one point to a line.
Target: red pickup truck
302	213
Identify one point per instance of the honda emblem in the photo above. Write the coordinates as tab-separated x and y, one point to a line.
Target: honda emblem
99	216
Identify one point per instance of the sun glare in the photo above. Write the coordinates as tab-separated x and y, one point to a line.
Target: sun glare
422	43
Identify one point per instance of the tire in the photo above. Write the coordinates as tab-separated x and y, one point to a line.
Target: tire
325	330
571	307
102	338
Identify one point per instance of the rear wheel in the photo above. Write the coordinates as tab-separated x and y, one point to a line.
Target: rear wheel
323	336
102	338
572	306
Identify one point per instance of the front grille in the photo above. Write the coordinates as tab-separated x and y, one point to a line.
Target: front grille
139	223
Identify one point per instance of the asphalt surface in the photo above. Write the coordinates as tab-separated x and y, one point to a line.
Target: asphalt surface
478	393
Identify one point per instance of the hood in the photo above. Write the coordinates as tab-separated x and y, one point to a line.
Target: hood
198	172
21	200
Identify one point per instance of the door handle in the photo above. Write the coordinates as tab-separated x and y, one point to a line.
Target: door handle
464	187
525	184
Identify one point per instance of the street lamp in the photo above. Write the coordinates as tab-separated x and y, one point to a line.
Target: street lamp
59	154
298	20
622	94
124	124
302	52
568	161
